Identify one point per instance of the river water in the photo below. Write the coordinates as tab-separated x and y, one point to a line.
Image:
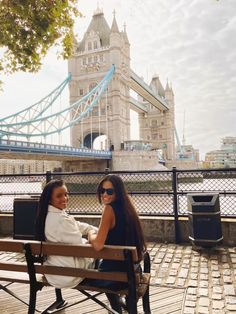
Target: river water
148	204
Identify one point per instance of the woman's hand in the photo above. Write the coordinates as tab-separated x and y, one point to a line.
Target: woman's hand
91	235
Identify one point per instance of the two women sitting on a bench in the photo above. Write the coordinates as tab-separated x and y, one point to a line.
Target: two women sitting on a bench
119	225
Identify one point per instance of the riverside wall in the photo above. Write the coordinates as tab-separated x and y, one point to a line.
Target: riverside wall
157	229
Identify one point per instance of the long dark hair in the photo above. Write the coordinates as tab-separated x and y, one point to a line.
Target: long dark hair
134	232
44	201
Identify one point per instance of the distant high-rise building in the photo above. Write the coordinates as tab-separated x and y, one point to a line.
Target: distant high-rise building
224	157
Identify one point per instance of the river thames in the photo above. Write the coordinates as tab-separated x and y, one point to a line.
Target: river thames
148	204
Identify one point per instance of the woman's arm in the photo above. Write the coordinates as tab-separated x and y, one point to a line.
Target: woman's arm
85	228
107	222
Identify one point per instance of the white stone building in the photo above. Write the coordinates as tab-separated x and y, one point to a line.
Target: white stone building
224	157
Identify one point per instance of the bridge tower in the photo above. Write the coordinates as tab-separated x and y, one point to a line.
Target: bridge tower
157	126
93	56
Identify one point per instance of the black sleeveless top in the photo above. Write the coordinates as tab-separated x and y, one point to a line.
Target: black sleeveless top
116	236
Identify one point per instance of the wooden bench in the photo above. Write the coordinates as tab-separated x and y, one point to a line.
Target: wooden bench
137	285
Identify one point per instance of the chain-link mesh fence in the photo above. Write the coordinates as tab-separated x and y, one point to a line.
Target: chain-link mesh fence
152	192
15	186
221	181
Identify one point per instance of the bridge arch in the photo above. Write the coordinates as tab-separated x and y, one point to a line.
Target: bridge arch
99	139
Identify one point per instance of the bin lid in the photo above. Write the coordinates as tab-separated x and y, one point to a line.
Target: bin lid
203	202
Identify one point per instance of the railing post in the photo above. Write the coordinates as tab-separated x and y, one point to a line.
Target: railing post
175	204
48	176
107	170
108	164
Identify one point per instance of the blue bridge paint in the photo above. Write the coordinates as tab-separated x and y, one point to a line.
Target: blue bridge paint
50	149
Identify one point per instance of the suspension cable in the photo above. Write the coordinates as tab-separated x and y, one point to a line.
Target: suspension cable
106	120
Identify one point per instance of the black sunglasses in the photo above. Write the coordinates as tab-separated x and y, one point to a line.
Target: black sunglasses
108	191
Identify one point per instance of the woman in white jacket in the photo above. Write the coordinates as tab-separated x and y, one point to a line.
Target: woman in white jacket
53	224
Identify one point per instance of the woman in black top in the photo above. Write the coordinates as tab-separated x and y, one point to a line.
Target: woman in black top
120	225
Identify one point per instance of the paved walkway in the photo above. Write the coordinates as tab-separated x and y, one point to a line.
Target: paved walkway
203	281
208	274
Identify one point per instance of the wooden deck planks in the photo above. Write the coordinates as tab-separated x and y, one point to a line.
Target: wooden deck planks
164	300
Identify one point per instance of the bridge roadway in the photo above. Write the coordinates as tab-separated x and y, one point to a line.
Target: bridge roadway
11	149
139	86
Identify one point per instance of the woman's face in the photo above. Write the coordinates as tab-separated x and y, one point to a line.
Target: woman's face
59	197
108	194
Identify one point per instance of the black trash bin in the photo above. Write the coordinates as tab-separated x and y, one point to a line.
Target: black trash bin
204	219
24	215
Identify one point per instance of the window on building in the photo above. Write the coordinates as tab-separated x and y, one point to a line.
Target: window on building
95	111
102	111
81	92
95	45
154	123
89	45
92	85
101	58
84	61
89	59
95	58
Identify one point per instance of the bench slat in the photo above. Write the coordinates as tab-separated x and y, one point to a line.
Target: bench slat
104	290
86	250
11	245
10	266
82	273
11	276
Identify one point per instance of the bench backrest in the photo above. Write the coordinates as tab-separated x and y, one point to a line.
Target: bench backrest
117	253
84	250
10	263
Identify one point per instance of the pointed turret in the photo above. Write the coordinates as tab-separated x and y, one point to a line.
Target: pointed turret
100	28
167	89
157	86
169	95
114	26
171	90
125	36
115	35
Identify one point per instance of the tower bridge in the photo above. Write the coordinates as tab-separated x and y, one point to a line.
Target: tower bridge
100	47
100	81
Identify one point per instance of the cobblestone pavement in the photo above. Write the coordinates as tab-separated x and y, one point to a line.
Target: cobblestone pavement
208	274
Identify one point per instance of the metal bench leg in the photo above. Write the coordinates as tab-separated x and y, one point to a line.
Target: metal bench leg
146	302
132	305
32	301
132	299
4	288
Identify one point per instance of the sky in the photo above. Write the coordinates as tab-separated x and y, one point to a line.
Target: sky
190	42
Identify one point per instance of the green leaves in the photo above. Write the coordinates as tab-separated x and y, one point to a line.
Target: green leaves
30	27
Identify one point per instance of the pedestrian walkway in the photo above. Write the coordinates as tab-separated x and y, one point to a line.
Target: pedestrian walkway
183	281
208	274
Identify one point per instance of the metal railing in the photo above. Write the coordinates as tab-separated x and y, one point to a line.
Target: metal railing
154	193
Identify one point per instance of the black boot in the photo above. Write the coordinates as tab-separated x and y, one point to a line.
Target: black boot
114	302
